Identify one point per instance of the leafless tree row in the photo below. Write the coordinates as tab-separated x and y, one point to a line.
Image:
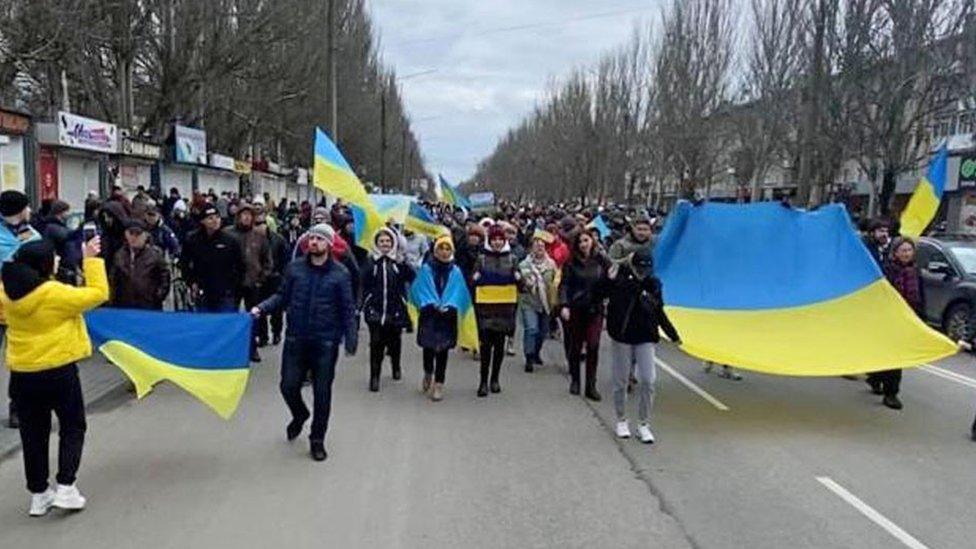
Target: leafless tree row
254	74
796	87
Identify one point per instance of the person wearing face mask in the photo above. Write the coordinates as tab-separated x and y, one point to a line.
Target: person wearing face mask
494	277
316	295
437	327
635	314
386	277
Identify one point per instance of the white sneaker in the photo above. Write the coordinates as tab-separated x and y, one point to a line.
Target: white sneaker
644	433
68	497
622	429
41	503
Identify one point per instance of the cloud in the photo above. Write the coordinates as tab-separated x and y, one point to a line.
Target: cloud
493	62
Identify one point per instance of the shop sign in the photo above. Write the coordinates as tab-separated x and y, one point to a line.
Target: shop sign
242	167
131	147
222	162
13	123
967	171
191	145
86	133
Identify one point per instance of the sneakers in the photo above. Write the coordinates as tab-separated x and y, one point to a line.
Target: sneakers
41	503
728	373
644	433
69	498
510	347
437	393
875	386
622	430
425	385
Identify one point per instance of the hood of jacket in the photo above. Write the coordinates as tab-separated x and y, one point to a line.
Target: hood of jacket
394	251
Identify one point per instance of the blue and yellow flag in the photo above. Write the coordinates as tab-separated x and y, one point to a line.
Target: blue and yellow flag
335	177
924	203
451	195
420	221
783	291
601	227
208	355
455	295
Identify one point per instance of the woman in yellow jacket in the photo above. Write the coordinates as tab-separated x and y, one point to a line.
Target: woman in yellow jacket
46	337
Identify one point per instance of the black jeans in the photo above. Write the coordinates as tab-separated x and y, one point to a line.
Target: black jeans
259	328
435	363
37	394
383	340
298	358
890	381
492	354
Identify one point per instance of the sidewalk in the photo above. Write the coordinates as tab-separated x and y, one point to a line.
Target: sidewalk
98	379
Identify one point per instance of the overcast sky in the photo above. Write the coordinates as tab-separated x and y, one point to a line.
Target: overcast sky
493	61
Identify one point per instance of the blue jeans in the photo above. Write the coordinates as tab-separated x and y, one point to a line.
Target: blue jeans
535	330
298	357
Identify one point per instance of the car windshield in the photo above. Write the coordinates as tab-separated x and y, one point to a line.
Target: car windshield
966	258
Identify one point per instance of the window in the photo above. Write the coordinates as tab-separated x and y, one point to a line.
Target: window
967	123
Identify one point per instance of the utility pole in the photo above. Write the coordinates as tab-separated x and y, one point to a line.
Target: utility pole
333	83
383	140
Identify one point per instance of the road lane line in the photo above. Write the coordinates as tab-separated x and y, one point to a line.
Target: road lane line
949	375
872	514
692	386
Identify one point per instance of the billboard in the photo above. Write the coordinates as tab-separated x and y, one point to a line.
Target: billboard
191	145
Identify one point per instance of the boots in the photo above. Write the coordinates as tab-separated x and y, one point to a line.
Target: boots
397	373
437	394
374	375
495	371
574	375
591	392
483	389
374	384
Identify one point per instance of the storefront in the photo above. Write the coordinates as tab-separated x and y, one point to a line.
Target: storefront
269	178
189	151
219	175
14	150
74	158
136	164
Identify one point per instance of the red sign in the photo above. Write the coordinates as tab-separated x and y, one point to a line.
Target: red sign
47	174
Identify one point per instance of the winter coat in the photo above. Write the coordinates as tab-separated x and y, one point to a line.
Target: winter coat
496	294
384	284
342	253
214	263
635	311
907	280
112	219
583	285
139	280
537	284
45	329
318	303
627	246
437	329
165	239
256	250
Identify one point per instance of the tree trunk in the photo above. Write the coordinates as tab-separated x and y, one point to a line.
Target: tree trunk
888	181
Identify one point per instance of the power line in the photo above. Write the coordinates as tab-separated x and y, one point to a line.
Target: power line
526	26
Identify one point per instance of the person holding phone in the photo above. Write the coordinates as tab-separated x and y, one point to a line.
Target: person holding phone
47	337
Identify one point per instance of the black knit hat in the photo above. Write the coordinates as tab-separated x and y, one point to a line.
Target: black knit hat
38	255
12	203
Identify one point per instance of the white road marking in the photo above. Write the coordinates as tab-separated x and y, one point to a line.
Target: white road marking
949	375
872	514
692	386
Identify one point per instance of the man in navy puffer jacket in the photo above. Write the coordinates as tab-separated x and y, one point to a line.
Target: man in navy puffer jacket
317	297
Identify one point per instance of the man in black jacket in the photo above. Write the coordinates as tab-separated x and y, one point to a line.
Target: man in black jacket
213	265
317	297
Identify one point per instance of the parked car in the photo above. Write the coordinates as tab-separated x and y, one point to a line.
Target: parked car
948	267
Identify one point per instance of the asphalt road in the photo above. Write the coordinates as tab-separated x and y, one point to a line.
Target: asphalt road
764	462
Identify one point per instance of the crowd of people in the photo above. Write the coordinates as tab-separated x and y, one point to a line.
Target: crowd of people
547	272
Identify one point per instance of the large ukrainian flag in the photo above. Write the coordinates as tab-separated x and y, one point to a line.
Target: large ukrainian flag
924	203
205	354
334	176
784	291
455	295
420	221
